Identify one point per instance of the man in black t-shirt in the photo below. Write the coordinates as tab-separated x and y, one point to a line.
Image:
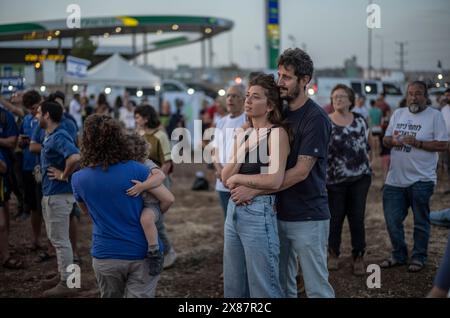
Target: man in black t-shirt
302	203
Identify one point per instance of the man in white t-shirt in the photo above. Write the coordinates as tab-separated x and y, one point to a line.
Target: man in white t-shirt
223	140
360	107
416	134
445	110
75	109
126	115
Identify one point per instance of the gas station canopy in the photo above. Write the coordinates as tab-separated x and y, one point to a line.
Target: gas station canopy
201	27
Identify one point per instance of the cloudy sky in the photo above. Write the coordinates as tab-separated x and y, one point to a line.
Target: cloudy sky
331	30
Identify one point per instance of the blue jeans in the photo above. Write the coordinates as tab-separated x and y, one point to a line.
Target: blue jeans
224	197
251	250
396	202
308	241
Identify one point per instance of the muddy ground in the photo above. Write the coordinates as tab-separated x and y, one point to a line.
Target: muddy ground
195	225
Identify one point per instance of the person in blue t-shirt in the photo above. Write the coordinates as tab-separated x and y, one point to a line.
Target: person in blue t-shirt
8	141
70	125
302	201
37	138
32	191
59	158
119	245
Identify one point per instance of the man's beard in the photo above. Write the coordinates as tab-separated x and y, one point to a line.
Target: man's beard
416	108
292	96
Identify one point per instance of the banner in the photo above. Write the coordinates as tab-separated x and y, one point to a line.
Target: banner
8	84
76	67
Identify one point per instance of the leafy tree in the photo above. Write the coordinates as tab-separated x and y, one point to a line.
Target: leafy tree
84	48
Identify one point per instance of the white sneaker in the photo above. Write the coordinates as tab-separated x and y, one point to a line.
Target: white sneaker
170	258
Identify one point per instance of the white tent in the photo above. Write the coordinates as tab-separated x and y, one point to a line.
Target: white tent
116	71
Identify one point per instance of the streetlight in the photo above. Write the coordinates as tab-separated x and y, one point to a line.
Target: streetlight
440	77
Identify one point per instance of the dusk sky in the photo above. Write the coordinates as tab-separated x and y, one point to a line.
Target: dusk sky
331	30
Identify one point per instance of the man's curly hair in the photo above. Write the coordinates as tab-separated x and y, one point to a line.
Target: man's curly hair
299	60
103	143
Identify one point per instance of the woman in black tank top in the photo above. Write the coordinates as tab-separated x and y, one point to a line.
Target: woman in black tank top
251	244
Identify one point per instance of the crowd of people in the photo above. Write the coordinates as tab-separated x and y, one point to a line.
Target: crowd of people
287	175
47	150
327	178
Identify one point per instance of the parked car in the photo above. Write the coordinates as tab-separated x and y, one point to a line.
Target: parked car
320	89
200	87
173	86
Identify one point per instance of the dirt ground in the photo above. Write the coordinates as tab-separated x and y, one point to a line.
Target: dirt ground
195	225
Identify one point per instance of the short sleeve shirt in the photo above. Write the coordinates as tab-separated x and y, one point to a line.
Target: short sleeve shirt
117	232
307	200
409	164
56	148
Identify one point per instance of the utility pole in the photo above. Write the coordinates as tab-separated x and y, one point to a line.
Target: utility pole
230	48
133	47
203	54
145	48
381	52
402	54
369	53
210	52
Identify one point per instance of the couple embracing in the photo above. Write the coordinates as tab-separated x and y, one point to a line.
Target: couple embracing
278	215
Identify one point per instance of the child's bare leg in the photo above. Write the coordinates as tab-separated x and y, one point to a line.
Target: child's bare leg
148	224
